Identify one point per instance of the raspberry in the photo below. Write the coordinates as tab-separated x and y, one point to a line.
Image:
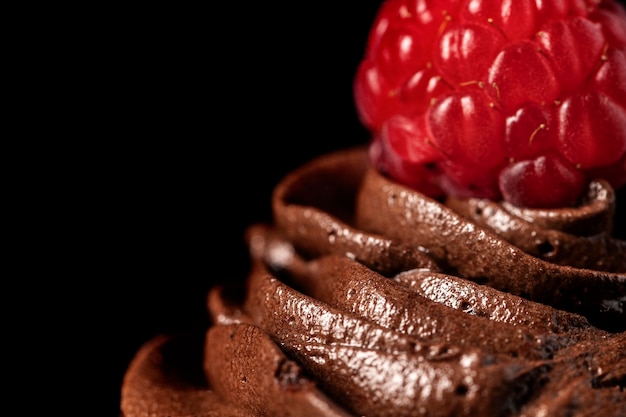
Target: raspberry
523	101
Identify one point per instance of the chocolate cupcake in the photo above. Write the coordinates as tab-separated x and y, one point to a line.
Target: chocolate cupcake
467	262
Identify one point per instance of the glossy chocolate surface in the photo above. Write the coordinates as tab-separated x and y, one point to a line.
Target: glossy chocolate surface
368	298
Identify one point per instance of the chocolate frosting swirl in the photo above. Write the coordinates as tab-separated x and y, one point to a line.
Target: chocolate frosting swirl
367	298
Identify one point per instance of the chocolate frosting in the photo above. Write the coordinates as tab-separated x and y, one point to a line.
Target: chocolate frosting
367	298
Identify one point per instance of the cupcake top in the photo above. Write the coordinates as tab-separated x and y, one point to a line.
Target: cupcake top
461	264
367	297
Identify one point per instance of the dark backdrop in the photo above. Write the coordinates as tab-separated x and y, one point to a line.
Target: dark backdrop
210	108
206	111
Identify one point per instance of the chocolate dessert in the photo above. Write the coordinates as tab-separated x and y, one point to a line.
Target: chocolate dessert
369	298
403	279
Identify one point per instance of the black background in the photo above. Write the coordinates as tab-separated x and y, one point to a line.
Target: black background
200	112
206	111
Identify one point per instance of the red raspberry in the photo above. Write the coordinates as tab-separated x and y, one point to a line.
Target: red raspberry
523	101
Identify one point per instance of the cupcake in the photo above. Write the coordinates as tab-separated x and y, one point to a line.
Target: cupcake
465	262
